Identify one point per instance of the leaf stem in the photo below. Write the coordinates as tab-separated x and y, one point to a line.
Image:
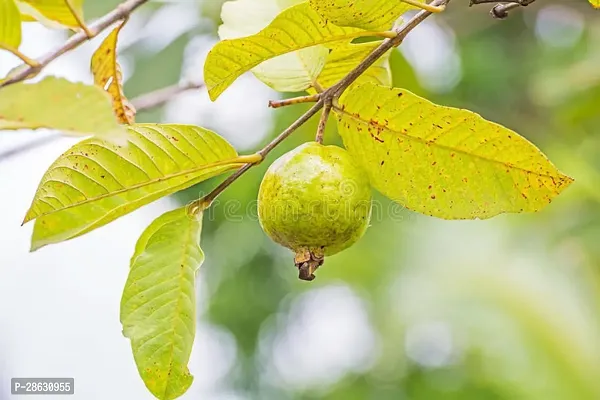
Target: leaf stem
121	11
323	122
327	99
295	100
79	19
29	61
425	6
161	96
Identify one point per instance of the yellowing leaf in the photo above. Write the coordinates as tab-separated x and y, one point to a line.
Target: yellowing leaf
49	11
158	307
231	58
595	3
291	72
107	75
365	14
98	181
345	57
55	103
10	24
442	161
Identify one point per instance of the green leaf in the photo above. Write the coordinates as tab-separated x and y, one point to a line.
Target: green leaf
365	14
158	307
107	75
10	24
345	57
55	103
291	72
442	161
231	58
52	13
98	181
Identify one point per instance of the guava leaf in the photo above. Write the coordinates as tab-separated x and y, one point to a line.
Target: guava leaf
595	3
291	72
345	57
365	14
158	307
295	28
52	13
10	24
55	103
98	181
441	161
107	75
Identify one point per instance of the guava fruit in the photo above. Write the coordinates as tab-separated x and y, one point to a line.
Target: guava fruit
315	201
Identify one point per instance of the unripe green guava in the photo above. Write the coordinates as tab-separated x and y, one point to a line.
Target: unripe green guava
315	201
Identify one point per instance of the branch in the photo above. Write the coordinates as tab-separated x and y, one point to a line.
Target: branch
122	11
161	96
500	10
325	101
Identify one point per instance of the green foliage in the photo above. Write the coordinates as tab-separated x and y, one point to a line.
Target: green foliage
98	181
290	72
158	308
343	58
365	14
10	24
55	103
231	58
54	13
443	161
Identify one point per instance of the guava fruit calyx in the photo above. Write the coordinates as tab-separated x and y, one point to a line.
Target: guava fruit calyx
307	261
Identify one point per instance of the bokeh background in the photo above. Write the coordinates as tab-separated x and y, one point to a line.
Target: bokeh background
419	309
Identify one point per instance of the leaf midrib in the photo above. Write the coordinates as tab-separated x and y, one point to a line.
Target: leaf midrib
373	122
138	186
184	254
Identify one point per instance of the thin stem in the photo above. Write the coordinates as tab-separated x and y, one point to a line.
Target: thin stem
323	123
317	86
402	32
161	96
295	100
121	11
500	11
29	61
78	18
205	201
424	6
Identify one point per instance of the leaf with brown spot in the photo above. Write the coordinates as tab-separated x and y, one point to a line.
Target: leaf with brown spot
158	307
120	178
364	14
51	13
442	161
55	103
107	75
